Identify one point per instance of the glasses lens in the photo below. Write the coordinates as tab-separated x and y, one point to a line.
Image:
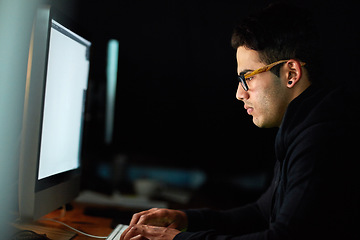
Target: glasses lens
243	82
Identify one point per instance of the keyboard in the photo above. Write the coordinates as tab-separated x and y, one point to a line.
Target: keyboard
116	233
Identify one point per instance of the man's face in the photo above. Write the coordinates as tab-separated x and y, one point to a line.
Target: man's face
266	100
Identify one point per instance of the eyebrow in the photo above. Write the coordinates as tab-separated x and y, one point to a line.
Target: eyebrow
246	71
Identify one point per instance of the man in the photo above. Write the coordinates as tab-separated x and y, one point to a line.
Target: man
315	190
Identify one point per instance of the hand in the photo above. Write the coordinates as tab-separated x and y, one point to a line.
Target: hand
161	218
146	232
165	218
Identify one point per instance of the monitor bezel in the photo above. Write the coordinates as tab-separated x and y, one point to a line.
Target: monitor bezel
37	197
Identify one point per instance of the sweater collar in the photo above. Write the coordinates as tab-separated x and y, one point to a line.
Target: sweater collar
296	102
290	117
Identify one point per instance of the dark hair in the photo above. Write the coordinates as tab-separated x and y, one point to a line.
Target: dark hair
281	31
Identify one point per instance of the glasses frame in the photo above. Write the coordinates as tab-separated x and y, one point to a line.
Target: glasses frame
243	76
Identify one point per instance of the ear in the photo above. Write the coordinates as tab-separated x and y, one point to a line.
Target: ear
293	72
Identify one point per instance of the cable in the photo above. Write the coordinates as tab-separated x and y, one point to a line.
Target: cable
74	229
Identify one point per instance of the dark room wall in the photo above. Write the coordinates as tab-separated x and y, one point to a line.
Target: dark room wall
176	87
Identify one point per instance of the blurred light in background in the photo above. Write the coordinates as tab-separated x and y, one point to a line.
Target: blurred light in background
111	75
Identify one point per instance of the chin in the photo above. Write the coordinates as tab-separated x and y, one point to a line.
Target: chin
257	122
261	123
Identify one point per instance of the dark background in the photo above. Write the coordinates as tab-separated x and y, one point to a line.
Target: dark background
175	103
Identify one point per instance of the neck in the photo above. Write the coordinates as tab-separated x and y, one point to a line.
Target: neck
301	85
299	88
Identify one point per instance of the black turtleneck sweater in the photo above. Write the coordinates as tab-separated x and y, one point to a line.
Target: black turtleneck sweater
315	190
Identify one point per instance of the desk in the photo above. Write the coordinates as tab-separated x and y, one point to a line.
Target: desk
75	218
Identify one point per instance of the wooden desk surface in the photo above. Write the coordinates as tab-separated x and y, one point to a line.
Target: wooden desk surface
75	218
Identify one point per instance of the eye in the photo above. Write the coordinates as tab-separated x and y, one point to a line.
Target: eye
249	78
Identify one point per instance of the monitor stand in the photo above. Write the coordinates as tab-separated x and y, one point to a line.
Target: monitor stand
52	232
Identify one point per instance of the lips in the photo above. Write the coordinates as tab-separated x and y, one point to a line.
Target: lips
249	109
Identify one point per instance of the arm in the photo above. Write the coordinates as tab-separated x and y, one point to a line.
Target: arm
168	223
249	218
241	220
249	215
247	222
317	197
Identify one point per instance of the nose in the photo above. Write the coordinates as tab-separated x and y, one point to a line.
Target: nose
241	94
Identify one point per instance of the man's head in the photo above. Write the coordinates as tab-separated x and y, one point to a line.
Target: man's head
279	32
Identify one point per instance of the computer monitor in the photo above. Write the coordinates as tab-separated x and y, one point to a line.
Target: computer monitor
56	84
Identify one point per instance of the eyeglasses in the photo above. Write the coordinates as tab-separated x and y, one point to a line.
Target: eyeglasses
244	76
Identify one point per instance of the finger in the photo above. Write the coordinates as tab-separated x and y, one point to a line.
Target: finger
158	233
144	231
138	237
140	232
135	218
147	232
137	230
174	225
154	217
131	232
149	218
122	237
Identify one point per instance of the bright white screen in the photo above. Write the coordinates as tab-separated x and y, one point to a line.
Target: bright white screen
66	83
